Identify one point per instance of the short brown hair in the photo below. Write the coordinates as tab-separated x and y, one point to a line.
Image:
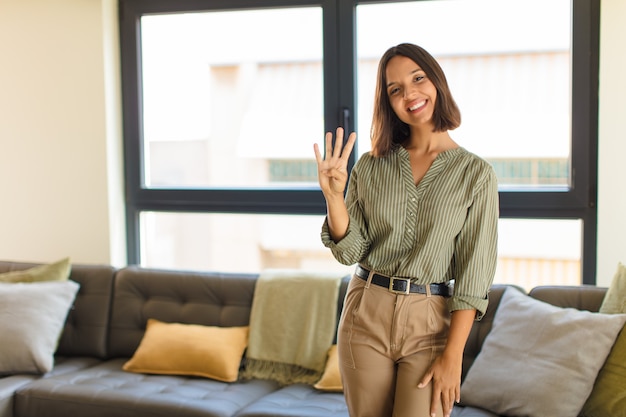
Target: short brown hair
387	129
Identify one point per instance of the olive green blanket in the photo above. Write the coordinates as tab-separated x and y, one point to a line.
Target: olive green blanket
292	326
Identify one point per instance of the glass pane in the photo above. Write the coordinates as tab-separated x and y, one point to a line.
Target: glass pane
234	242
227	106
508	68
539	252
530	252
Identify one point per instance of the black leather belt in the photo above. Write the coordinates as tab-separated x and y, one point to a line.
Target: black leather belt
403	285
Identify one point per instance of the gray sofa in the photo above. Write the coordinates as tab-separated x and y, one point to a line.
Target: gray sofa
108	321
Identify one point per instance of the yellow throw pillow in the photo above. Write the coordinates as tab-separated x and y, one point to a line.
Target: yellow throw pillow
57	271
331	379
190	349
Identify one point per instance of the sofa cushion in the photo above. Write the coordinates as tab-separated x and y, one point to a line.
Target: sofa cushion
56	271
10	384
297	400
106	390
458	411
545	356
31	320
190	349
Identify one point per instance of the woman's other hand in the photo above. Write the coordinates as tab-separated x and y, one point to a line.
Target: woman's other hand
445	375
445	372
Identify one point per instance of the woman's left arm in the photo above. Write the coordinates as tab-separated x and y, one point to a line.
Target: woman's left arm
445	372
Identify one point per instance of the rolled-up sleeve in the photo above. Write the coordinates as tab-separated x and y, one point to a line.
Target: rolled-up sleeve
475	256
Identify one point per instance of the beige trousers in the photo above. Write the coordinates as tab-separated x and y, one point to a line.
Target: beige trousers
386	343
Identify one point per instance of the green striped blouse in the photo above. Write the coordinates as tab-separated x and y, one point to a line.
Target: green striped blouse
442	229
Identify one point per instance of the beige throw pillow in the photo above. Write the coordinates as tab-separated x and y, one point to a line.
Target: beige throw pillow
539	359
615	298
190	349
32	316
56	271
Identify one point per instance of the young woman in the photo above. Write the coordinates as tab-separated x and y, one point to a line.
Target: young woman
420	211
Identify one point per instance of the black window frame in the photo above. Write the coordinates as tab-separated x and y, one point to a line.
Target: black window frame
575	202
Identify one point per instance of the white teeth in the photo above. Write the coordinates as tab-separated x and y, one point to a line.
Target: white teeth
417	106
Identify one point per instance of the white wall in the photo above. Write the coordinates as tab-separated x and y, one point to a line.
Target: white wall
612	142
60	152
60	141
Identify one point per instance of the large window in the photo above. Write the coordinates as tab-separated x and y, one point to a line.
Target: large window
223	100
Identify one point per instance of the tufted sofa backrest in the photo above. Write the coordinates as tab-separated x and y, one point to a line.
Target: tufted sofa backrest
205	298
86	327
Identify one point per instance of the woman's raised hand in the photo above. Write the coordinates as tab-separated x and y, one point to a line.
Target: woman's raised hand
332	170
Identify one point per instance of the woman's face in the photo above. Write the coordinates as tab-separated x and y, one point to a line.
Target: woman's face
411	94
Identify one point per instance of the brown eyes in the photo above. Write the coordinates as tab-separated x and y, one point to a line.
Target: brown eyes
396	90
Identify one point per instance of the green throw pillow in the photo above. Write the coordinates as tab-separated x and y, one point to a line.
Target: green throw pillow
608	398
57	271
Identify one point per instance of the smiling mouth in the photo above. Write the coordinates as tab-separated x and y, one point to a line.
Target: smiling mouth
417	106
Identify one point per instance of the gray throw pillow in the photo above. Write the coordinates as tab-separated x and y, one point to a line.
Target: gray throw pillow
539	359
32	316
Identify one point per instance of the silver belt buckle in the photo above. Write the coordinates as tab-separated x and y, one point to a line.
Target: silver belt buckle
407	285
